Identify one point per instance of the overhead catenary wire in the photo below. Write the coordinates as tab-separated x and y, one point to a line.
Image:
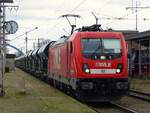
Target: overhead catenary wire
76	16
113	18
108	17
120	17
17	37
133	12
106	4
21	39
78	5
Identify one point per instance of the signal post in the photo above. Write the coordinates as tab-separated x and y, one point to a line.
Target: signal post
2	43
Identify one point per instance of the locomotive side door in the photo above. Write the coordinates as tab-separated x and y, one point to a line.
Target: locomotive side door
69	53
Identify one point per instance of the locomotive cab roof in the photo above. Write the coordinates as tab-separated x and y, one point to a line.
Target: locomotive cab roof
95	27
92	28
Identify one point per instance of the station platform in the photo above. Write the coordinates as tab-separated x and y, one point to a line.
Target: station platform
140	84
26	94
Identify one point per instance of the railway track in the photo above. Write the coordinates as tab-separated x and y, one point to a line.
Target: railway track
95	109
114	106
123	108
140	95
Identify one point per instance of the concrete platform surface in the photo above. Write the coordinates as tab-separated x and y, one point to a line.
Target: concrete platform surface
26	94
140	84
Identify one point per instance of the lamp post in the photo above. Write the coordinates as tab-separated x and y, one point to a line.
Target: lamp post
26	38
136	12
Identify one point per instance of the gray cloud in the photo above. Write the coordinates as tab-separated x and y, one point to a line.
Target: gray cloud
45	13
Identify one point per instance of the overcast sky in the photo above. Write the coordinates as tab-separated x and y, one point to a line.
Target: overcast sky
45	15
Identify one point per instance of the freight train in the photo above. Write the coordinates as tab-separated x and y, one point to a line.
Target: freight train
91	64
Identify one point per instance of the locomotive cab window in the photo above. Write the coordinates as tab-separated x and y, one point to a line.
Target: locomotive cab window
101	48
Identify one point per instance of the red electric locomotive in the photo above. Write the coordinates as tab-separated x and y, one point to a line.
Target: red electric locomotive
90	63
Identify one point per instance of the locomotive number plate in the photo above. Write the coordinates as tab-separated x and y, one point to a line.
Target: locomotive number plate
103	71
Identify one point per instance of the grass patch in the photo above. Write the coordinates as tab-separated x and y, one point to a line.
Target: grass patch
26	94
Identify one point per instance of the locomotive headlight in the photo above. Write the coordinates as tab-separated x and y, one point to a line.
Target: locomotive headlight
118	70
86	68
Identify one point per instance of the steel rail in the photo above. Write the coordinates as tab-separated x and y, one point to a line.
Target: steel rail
143	93
125	109
97	111
140	95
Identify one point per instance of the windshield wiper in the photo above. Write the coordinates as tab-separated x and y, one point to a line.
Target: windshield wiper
95	51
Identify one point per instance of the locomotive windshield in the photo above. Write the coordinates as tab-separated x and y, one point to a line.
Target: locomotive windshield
101	48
